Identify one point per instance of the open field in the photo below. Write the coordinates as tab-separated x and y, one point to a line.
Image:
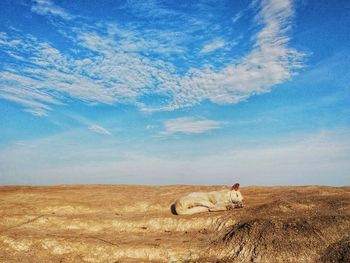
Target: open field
122	223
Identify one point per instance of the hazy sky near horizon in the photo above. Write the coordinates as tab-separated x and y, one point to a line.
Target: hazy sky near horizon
175	92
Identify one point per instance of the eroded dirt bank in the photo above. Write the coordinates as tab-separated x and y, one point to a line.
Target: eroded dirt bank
119	223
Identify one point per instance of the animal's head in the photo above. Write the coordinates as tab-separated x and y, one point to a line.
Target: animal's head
236	196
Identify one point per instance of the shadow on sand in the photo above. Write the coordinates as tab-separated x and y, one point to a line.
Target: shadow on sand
173	209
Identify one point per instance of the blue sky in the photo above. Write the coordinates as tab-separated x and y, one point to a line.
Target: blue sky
175	92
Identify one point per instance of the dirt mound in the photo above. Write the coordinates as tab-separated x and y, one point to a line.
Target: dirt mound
293	239
296	225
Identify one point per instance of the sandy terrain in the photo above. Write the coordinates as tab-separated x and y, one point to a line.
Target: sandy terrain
101	223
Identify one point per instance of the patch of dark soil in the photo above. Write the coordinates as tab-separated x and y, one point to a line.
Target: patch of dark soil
337	252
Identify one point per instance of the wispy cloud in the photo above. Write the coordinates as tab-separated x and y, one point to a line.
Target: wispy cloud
213	46
47	7
271	62
238	16
189	125
99	129
51	75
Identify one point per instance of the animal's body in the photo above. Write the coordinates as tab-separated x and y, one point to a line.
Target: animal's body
198	202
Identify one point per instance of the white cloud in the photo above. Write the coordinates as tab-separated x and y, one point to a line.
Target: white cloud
217	44
189	125
271	62
52	74
99	129
47	7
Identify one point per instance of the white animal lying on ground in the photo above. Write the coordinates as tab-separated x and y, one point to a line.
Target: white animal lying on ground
198	202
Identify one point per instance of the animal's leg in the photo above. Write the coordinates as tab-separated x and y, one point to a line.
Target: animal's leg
203	203
238	205
193	210
218	207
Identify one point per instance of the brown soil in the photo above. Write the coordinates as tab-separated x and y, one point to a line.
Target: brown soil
120	223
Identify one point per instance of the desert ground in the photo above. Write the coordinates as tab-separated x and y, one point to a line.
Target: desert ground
124	223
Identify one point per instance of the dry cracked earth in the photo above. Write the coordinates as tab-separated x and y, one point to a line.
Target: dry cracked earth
122	223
